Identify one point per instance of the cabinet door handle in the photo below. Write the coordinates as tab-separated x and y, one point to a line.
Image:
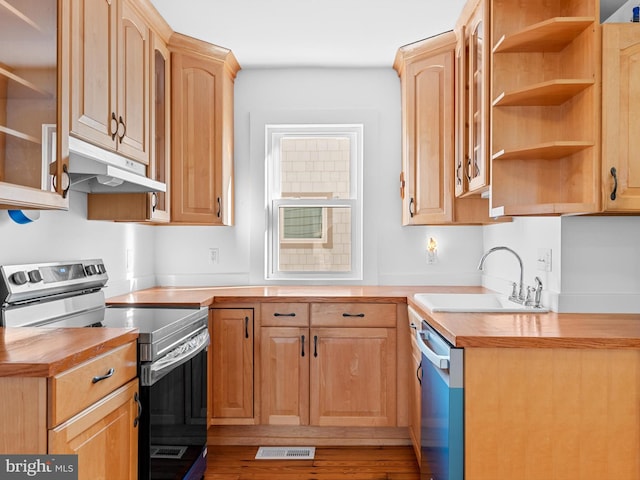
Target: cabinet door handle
614	174
65	172
468	169
302	338
136	398
411	207
154	201
284	314
246	327
315	345
219	212
413	326
360	315
99	378
114	125
124	128
419	373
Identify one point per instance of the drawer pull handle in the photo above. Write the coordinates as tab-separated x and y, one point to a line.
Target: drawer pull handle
284	314
136	399
361	315
104	377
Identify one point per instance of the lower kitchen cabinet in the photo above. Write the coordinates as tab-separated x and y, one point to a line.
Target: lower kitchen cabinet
231	356
415	388
73	413
552	413
109	422
328	364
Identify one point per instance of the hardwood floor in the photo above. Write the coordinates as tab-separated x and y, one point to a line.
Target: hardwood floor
330	463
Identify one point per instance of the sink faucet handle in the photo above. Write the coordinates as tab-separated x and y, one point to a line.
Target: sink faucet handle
514	290
538	291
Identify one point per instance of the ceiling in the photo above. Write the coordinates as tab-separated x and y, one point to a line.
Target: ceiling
317	33
311	33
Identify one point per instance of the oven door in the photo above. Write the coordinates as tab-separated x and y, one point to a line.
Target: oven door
173	424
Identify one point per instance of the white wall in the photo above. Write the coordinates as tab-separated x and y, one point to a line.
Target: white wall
62	236
392	254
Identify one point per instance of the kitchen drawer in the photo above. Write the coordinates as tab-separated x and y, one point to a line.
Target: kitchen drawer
284	314
77	388
353	315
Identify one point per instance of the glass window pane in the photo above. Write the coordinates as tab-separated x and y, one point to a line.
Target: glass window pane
314	239
315	167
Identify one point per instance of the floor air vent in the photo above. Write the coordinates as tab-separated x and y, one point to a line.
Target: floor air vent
286	453
167	451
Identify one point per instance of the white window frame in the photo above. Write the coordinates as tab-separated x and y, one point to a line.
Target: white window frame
274	133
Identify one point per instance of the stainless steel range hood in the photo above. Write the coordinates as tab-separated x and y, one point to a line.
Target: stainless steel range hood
96	170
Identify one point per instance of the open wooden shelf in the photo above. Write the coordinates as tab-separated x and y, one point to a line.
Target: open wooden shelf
543	209
20	135
28	90
551	35
553	92
19	15
543	151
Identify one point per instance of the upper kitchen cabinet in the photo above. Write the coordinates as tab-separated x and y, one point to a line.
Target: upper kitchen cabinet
620	117
426	71
202	82
472	106
545	111
147	207
110	77
34	43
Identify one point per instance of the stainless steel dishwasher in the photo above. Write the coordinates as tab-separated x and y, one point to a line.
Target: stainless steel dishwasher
442	403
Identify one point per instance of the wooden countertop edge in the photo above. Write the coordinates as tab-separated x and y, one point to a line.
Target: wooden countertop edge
546	342
57	360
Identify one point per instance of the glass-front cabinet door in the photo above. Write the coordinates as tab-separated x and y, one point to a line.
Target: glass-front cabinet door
477	163
31	87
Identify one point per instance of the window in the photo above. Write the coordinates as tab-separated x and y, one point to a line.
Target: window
314	190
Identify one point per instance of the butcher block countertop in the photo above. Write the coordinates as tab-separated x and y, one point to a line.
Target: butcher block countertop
503	330
45	352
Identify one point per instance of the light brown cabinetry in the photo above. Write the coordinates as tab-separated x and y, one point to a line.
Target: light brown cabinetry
202	132
620	117
551	413
427	79
70	413
33	94
146	207
415	386
110	77
328	364
472	107
545	112
231	367
284	363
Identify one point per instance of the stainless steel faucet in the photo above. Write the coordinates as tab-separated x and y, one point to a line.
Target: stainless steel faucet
519	297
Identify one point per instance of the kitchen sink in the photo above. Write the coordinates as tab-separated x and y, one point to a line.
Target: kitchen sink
472	302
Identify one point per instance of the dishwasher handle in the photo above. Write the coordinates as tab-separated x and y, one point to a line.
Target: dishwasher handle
440	361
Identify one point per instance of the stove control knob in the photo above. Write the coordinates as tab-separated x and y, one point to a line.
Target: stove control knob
90	269
101	268
35	276
19	278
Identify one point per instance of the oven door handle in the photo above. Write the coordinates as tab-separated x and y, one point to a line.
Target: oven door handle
151	373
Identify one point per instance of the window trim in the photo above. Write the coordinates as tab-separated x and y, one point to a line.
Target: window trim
274	198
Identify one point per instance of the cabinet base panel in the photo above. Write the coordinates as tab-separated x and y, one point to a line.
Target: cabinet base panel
304	435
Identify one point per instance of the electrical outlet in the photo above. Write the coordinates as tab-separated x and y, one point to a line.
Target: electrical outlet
544	259
214	256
